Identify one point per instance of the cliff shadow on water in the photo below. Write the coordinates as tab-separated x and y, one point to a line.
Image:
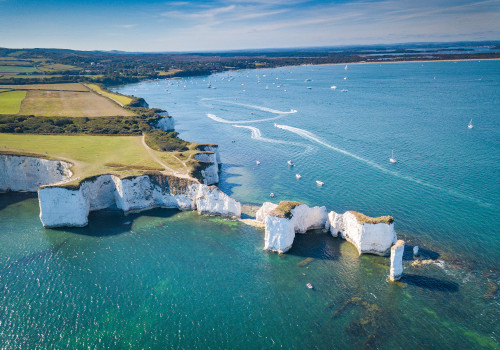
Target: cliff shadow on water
10	198
226	174
315	244
111	221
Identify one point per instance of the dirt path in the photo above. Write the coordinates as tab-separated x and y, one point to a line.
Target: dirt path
158	160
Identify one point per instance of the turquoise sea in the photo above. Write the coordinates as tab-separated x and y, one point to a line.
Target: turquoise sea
165	279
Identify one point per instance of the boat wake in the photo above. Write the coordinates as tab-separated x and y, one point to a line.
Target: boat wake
221	120
310	136
260	108
257	135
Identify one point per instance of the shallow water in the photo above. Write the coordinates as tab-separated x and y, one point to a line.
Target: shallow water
167	279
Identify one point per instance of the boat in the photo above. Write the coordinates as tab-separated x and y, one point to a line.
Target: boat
309	87
344	90
308	79
345	67
309	285
319	183
271	195
298	176
257	162
345	78
290	163
333	87
392	159
470	126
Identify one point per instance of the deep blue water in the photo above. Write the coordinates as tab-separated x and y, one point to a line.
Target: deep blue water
163	279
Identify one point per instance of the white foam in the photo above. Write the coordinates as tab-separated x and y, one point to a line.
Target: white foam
308	135
221	120
260	108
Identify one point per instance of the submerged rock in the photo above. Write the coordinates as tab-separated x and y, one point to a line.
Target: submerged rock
415	251
397	260
369	235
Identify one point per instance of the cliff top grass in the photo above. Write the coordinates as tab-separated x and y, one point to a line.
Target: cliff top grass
284	209
64	100
96	155
364	219
118	98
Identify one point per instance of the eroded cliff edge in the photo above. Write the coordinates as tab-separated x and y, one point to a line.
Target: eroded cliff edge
63	204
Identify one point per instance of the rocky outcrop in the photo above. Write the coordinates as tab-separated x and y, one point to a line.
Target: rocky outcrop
60	206
264	211
209	167
211	148
369	235
24	173
287	219
165	123
397	251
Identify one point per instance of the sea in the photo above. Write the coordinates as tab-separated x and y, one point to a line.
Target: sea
164	279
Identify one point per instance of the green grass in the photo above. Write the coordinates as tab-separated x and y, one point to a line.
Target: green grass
284	209
93	155
17	69
120	99
364	219
10	102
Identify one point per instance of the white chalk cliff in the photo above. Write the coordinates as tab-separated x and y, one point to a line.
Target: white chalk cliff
60	206
368	238
397	251
166	123
264	211
22	173
280	231
210	170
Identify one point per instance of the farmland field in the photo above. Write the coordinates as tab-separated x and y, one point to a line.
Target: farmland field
10	101
65	87
17	69
120	99
69	103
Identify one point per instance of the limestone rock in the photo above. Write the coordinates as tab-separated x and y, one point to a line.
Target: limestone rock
397	260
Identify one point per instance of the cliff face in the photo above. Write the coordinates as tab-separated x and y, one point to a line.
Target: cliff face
61	206
210	171
22	173
166	123
264	211
368	238
280	231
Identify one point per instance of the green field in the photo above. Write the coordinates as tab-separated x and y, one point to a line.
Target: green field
64	87
120	99
17	69
10	101
96	155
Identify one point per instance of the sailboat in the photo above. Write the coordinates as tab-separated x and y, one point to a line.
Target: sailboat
392	159
345	68
470	126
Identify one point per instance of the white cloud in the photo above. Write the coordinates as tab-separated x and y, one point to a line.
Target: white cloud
127	25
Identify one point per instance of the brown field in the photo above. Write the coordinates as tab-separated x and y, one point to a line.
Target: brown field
47	103
64	87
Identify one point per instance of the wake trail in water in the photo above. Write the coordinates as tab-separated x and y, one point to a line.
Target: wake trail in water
260	108
221	120
309	135
257	135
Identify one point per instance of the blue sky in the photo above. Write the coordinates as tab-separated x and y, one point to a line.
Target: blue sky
239	24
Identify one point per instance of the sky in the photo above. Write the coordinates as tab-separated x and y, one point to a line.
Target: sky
132	25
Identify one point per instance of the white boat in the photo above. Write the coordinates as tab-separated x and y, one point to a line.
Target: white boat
333	87
319	183
290	163
470	126
308	79
271	195
298	176
309	87
309	285
257	162
344	90
345	68
392	159
345	78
